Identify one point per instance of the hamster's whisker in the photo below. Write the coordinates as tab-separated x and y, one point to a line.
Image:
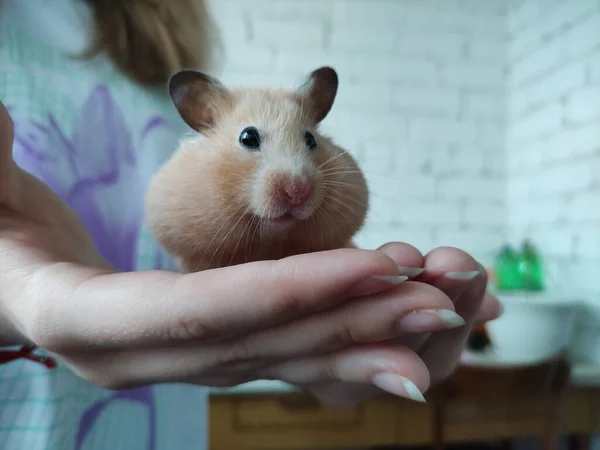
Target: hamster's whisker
333	158
230	231
348	208
239	240
225	222
249	247
346	196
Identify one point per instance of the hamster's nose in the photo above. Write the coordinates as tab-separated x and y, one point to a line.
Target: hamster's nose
295	190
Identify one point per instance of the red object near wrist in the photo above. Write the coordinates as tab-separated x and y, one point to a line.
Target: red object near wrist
26	352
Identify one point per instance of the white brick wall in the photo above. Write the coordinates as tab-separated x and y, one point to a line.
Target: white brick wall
553	139
421	102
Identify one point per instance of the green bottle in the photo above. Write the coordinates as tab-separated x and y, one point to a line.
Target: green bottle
531	268
508	275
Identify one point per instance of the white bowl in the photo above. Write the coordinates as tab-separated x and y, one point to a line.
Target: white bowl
585	345
533	328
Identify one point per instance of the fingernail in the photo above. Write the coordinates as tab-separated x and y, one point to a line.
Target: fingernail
376	284
465	276
421	321
398	385
392	279
410	272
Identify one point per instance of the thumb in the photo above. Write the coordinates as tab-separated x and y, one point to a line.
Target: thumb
161	308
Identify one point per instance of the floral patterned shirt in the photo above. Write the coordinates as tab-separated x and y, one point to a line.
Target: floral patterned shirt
96	139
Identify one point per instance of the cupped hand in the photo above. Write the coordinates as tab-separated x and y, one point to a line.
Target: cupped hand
464	281
312	318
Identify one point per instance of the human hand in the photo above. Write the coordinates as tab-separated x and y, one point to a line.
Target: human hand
310	315
464	281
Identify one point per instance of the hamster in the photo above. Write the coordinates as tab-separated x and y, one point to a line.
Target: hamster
257	180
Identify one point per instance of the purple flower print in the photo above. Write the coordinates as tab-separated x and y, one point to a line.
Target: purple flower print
95	170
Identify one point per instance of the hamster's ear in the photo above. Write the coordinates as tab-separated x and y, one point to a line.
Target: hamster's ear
199	98
319	92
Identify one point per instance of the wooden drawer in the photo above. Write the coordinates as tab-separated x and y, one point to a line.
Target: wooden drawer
292	411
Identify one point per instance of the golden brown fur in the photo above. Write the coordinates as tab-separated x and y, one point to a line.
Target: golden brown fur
210	204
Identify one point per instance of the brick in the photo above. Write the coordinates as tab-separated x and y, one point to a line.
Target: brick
414	186
288	35
364	95
593	67
487	50
484	105
585	139
540	211
429	100
483	213
584	207
410	157
587	241
548	88
583	38
491	134
545	59
362	67
472	75
377	159
576	176
409	71
457	160
555	148
438	46
471	188
427	213
369	12
546	120
243	58
301	63
553	241
494	161
488	8
567	13
524	41
441	131
291	10
365	39
523	15
583	105
352	129
474	240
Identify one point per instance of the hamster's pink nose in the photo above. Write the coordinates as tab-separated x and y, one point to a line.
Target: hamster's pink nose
295	190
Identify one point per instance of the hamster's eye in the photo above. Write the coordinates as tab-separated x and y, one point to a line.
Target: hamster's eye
310	141
250	138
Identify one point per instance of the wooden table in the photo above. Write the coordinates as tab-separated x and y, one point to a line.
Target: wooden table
284	419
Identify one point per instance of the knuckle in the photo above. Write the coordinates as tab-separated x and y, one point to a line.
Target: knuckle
343	335
237	354
189	329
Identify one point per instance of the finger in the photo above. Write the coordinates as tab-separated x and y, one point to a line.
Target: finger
410	263
463	279
155	308
396	370
408	308
359	322
409	259
490	309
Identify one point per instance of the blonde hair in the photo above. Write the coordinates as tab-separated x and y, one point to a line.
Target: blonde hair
148	40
